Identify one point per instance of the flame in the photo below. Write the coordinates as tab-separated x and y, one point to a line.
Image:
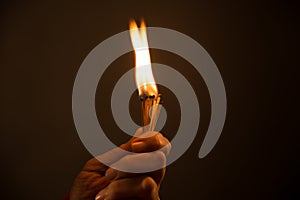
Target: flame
143	73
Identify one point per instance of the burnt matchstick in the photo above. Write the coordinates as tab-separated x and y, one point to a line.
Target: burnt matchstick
150	107
144	77
155	113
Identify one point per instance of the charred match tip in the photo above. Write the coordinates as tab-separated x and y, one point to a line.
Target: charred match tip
144	97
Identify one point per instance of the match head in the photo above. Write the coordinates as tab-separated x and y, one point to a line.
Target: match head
144	97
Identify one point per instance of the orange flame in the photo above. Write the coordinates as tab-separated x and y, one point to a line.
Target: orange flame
143	73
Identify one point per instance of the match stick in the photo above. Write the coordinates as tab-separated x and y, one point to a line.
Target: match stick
149	102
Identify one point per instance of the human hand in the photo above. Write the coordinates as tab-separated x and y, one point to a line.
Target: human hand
97	181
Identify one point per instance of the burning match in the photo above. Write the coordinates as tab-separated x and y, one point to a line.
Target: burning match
147	88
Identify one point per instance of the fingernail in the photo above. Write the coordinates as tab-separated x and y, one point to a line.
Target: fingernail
111	174
137	146
100	195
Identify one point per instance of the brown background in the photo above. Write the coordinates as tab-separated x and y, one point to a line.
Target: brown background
254	45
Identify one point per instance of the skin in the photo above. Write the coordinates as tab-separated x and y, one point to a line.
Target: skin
97	181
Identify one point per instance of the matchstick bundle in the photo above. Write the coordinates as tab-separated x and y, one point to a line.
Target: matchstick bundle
148	102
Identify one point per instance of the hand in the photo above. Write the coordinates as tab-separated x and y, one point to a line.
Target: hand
97	181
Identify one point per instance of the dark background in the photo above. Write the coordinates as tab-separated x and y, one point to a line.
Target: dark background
254	44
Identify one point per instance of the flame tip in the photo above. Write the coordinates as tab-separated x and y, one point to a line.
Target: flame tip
143	73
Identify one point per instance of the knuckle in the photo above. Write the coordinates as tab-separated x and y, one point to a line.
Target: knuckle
160	158
91	162
164	144
159	135
148	186
158	142
167	148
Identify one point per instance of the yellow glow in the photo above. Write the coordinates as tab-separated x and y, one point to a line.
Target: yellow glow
143	73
